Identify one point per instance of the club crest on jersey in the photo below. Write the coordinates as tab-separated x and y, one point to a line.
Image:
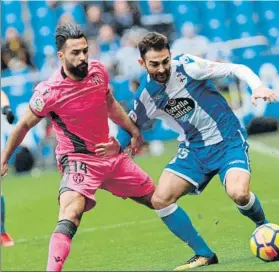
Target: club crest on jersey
38	104
181	78
180	108
133	116
186	59
97	80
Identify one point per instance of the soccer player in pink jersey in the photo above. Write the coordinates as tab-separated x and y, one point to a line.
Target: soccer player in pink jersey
77	100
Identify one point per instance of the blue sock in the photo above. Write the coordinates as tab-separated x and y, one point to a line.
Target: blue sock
2	214
180	225
254	210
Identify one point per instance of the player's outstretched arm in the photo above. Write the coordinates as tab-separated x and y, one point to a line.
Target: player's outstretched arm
119	116
28	120
201	69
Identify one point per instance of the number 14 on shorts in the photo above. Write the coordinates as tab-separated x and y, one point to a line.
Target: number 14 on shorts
77	167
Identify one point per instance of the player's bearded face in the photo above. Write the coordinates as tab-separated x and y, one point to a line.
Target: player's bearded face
76	57
80	70
158	65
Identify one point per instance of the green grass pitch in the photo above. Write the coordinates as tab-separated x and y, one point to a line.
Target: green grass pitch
122	235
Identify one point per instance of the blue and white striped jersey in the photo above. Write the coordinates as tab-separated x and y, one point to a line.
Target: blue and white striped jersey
189	103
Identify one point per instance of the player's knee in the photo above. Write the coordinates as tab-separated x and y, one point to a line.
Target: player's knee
72	206
240	197
66	227
161	201
71	214
144	200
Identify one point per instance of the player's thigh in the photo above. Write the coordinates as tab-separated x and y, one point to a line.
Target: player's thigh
72	206
235	168
235	157
170	188
128	180
186	171
82	176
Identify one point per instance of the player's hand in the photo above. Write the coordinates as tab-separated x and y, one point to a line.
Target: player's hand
265	93
108	149
137	143
9	114
4	168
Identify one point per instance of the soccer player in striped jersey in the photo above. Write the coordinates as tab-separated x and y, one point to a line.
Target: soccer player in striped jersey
180	92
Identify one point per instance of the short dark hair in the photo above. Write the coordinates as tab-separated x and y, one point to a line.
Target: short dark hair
65	32
153	41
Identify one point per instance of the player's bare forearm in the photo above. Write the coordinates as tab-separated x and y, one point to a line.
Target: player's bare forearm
4	99
14	141
16	137
120	117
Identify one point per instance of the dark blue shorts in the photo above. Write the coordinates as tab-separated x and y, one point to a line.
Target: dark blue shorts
200	165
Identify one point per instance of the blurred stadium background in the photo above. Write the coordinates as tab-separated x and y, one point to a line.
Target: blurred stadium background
116	236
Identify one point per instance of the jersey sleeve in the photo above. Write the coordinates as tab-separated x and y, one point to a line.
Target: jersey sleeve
106	76
202	69
139	116
41	101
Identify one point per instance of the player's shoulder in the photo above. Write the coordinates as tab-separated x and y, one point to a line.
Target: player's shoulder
95	65
45	90
143	86
98	69
184	59
52	83
43	86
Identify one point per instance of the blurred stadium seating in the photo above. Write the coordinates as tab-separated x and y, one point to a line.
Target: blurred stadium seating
239	31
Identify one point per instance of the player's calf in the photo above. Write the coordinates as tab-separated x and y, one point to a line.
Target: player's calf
253	210
170	188
72	205
237	187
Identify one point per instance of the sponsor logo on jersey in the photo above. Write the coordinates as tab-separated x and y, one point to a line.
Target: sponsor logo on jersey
156	97
236	161
38	104
180	108
46	92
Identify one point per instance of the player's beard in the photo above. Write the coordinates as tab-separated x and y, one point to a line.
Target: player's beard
80	71
161	77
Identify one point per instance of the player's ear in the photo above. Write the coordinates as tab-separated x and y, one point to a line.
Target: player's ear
141	62
60	55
